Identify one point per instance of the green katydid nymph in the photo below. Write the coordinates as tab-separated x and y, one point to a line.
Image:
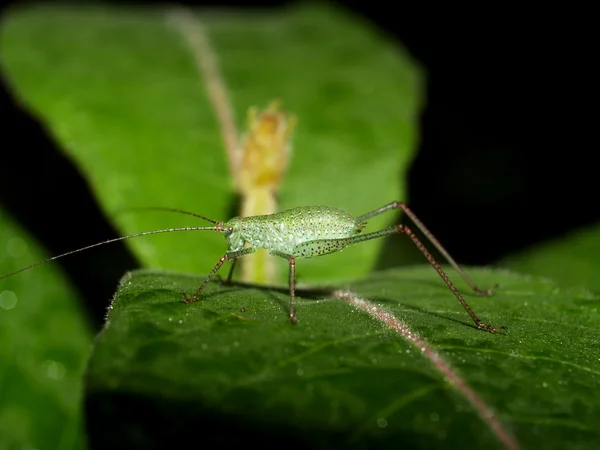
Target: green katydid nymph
304	232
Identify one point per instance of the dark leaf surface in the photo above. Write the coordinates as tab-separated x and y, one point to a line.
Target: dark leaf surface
340	376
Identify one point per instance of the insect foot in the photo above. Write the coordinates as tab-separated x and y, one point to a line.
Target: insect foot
486	292
491	328
187	299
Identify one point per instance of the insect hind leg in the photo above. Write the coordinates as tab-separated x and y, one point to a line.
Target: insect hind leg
431	238
403	229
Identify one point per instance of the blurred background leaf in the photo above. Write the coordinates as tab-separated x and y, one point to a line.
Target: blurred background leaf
126	102
164	372
571	260
44	345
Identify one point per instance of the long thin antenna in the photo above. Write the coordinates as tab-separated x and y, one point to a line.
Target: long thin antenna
164	208
219	227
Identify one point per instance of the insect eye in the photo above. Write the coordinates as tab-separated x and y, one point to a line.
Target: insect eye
229	230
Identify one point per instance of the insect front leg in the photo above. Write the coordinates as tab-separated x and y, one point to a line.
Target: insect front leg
292	262
227	282
429	235
226	257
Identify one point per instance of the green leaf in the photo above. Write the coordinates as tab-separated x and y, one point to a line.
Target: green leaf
571	260
232	369
120	91
44	344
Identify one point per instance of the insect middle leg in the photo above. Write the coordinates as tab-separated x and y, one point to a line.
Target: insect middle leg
429	235
226	257
292	262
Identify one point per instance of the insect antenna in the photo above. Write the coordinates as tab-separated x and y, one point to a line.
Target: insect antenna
164	208
218	227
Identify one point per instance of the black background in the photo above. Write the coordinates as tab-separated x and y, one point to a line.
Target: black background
507	153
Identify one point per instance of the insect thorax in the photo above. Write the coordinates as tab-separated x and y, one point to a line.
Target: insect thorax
283	231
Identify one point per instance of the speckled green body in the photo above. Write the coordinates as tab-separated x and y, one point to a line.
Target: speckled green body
302	233
298	232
